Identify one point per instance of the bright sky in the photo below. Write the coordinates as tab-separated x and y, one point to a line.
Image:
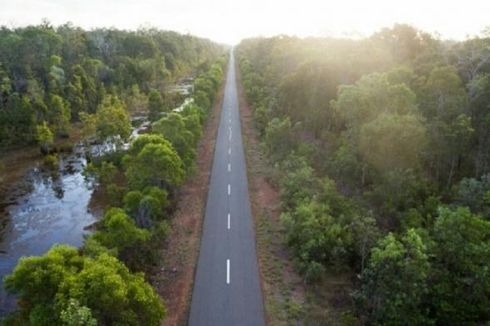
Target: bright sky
229	21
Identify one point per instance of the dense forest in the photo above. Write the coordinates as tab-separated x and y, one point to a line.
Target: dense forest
54	79
380	149
50	76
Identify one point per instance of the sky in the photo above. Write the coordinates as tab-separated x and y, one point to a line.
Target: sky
229	21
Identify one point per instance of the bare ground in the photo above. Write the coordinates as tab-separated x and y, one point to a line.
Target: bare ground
174	278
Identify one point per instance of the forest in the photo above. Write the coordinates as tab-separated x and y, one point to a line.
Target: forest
65	82
380	150
50	77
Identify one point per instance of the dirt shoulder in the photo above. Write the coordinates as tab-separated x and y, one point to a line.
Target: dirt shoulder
174	278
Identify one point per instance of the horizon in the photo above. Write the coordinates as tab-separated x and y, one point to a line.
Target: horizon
218	19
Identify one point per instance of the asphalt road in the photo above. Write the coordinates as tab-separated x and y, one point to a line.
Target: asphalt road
226	287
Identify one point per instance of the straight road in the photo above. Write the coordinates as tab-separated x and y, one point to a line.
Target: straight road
226	287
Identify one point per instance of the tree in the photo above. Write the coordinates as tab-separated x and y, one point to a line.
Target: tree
44	137
393	142
63	286
445	103
316	236
59	115
474	194
155	105
146	207
460	288
155	165
173	128
89	123
119	232
371	96
113	123
75	315
394	284
278	138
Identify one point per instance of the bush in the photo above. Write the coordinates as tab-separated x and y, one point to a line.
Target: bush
63	286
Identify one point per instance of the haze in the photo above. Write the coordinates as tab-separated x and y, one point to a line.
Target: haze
229	21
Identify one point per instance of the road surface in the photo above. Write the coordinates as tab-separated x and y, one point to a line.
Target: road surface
227	287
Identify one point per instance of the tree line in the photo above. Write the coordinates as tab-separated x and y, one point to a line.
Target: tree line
103	282
381	154
52	76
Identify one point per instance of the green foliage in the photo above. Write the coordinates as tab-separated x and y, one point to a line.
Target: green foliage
155	165
75	315
460	285
173	128
51	161
155	105
44	137
401	122
56	74
118	231
89	125
278	138
393	141
318	230
146	207
112	121
396	300
59	116
474	194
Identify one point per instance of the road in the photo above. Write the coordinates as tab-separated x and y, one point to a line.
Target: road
226	286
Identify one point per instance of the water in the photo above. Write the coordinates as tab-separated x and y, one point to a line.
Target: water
54	210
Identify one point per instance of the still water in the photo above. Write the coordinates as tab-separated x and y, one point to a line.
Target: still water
53	208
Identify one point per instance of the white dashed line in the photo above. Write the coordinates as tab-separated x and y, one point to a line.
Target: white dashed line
229	167
229	151
229	189
229	221
227	271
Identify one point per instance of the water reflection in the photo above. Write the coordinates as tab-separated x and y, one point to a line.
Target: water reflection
52	210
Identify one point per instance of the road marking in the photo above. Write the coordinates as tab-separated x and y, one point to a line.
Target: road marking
229	189
229	167
229	151
227	271
230	133
228	221
229	120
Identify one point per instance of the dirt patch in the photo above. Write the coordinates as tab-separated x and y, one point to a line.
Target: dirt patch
174	278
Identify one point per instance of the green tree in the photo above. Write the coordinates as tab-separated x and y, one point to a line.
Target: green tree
59	115
155	105
173	128
278	138
395	282
118	231
113	123
155	165
461	282
75	315
44	137
146	207
393	141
